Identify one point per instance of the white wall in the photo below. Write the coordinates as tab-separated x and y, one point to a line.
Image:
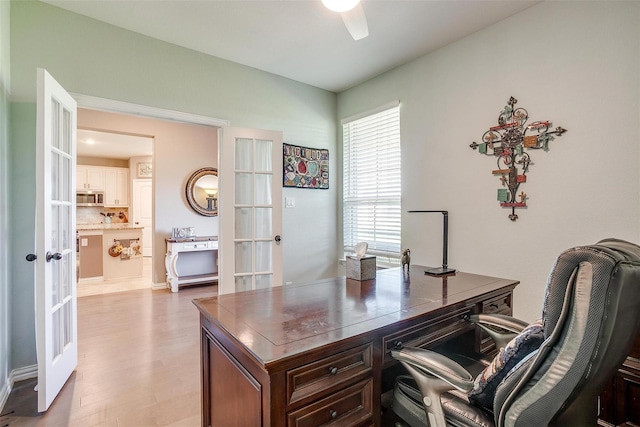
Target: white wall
4	198
576	64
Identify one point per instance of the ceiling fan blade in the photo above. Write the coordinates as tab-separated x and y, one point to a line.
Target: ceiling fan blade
356	22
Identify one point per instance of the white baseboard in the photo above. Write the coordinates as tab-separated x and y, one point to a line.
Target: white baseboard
158	286
15	376
4	395
25	373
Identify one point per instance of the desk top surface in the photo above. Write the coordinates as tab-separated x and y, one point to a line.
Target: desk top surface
283	321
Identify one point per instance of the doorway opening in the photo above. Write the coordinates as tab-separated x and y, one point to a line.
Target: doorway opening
118	167
175	154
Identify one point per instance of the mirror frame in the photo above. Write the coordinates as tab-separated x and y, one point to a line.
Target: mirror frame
189	190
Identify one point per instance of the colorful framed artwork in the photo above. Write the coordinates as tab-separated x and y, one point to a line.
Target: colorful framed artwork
144	170
305	167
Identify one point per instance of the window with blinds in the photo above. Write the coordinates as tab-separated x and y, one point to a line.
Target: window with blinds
371	193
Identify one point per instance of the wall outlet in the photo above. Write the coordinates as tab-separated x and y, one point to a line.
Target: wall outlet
289	202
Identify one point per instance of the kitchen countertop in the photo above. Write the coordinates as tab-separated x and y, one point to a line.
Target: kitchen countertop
112	226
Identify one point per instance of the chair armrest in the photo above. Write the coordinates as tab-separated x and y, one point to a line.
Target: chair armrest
435	374
436	365
510	324
500	320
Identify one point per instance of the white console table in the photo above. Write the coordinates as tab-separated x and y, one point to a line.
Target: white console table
177	247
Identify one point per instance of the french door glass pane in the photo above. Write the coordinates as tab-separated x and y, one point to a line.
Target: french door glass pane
55	283
55	162
243	223
263	189
55	218
55	244
263	223
244	154
55	123
263	281
264	150
244	259
66	228
66	277
66	132
263	256
243	283
67	337
243	189
55	330
66	179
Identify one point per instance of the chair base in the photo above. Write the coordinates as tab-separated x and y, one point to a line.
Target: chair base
407	403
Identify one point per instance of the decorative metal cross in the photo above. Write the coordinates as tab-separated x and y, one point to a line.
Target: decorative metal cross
507	142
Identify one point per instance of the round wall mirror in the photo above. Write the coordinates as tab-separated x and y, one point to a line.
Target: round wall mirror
202	191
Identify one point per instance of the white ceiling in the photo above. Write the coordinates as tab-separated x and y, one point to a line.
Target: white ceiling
300	39
112	145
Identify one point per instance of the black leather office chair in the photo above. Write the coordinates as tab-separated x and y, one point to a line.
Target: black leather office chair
550	373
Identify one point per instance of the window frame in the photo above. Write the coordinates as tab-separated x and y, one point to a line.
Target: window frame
378	200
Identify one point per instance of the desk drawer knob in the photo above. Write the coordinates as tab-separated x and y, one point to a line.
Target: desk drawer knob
333	414
397	345
333	370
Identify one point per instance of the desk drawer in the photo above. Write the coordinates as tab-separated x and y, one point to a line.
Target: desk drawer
328	373
498	305
352	406
428	332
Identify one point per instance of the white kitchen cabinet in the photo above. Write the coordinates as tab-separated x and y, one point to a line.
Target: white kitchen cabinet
90	177
116	191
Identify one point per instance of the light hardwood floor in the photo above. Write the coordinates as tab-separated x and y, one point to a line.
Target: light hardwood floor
88	287
138	364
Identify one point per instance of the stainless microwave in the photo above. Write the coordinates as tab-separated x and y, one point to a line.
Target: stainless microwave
89	198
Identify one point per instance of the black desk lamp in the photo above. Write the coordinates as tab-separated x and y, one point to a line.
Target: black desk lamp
441	271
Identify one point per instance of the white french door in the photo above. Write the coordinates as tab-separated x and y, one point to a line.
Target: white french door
250	209
55	278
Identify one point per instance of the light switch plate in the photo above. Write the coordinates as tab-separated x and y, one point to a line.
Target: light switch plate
289	202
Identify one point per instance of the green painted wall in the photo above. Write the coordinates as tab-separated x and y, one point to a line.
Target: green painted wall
22	160
4	197
92	58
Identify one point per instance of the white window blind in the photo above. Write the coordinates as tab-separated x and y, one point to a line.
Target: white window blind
372	183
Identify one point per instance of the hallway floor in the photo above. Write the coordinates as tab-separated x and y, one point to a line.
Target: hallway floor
138	365
88	287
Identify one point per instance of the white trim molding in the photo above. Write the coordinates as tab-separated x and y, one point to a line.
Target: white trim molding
161	285
111	105
15	376
370	112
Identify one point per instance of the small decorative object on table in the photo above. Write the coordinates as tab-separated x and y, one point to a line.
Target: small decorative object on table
406	259
183	232
361	267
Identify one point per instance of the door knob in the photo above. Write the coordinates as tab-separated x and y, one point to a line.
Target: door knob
31	257
278	239
57	256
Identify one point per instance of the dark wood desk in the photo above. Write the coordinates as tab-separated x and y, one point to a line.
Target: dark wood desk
314	354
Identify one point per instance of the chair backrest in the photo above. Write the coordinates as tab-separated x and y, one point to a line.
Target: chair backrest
590	320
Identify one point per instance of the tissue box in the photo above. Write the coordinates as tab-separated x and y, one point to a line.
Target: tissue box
361	268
